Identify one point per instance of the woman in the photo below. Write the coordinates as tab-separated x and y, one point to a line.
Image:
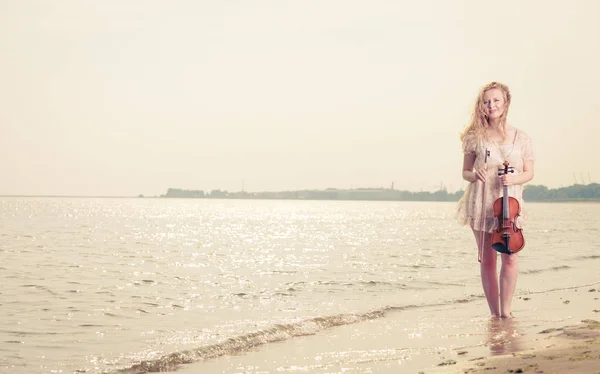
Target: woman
489	133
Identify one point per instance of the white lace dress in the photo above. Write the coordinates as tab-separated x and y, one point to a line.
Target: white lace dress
470	205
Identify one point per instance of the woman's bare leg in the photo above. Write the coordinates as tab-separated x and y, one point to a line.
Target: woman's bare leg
489	274
508	282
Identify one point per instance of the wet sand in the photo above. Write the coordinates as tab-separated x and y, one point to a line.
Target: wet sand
570	346
572	349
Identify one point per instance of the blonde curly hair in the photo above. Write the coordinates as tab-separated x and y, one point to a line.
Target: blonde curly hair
479	120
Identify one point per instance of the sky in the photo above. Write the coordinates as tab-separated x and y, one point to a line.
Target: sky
123	97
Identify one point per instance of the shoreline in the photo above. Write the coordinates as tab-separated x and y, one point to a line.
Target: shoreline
547	333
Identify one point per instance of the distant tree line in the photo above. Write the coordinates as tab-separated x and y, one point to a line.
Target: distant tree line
328	194
577	192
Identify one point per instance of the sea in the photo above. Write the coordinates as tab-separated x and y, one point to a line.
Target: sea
136	285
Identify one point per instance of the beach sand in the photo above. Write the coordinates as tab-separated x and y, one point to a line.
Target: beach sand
561	347
575	349
552	332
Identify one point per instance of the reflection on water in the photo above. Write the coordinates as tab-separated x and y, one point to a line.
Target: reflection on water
111	282
504	336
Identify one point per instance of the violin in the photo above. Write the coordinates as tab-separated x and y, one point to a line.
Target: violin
507	237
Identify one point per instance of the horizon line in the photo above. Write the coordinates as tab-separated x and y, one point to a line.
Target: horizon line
324	189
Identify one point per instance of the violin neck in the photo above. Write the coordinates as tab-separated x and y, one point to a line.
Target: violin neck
505	210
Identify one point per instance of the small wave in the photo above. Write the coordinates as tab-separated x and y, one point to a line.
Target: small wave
21	333
38	287
238	344
443	283
591	257
283	294
284	272
421	266
114	315
559	289
274	334
346	284
362	284
103	293
555	268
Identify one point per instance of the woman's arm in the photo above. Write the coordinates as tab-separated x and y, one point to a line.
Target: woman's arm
468	173
468	162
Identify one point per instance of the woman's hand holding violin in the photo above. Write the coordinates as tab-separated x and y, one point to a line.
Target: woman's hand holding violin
508	179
